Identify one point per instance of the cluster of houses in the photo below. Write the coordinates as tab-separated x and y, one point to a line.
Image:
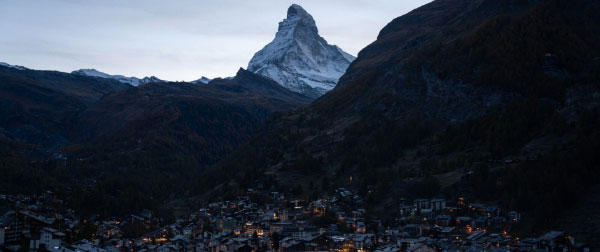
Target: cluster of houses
280	223
44	223
25	219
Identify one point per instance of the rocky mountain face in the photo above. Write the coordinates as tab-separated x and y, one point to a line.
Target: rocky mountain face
446	91
129	80
299	58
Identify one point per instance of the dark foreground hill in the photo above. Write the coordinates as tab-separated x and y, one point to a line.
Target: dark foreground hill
491	100
39	107
113	148
197	123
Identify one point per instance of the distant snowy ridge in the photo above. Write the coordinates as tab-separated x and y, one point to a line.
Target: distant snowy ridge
202	80
123	79
129	80
299	59
13	66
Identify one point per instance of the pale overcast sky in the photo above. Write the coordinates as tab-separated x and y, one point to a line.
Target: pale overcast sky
173	39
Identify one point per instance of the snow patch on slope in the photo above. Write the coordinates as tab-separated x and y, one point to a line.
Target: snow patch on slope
202	80
13	66
129	80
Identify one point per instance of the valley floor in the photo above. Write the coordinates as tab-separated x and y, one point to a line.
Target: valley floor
263	220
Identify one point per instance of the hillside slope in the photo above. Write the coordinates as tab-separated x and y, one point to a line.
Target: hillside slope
203	122
101	142
39	107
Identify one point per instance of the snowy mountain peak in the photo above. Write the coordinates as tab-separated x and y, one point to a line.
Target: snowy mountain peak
295	9
129	80
298	12
299	58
